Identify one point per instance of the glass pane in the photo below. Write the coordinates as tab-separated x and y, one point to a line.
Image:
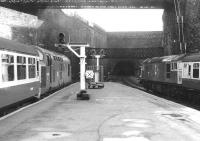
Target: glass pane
29	60
19	59
196	65
21	72
195	73
175	66
31	70
7	72
168	67
7	58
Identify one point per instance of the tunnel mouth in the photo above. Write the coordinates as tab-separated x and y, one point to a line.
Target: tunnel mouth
124	68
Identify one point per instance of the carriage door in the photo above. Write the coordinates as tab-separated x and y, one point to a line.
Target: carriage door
49	61
179	72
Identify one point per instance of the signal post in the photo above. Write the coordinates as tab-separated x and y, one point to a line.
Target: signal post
82	95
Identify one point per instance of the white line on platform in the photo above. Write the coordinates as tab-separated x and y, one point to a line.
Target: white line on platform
23	108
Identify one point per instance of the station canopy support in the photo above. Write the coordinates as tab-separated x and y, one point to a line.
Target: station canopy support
82	95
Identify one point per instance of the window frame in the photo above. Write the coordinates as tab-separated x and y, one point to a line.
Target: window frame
16	82
174	66
32	62
7	63
22	63
192	70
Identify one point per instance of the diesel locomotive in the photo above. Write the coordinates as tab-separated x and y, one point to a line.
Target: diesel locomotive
29	71
175	76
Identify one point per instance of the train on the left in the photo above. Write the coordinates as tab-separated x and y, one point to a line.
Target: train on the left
30	71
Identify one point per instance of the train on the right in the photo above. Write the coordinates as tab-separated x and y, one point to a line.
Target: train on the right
174	76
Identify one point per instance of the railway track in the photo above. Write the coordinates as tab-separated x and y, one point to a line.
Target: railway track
129	81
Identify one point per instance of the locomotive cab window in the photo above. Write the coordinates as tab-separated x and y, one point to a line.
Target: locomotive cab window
7	67
196	70
21	67
174	66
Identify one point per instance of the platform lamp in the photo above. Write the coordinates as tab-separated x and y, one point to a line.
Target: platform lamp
98	56
82	95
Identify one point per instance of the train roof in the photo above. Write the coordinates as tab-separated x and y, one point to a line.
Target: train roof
174	58
45	51
11	45
170	58
194	57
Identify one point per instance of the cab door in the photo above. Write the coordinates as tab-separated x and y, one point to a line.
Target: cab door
179	72
49	64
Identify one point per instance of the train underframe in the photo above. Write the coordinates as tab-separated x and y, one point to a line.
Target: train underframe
173	91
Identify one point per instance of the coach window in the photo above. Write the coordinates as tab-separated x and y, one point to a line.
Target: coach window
31	67
21	67
196	70
7	67
37	68
167	70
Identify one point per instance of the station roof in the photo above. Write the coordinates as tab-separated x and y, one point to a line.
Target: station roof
11	45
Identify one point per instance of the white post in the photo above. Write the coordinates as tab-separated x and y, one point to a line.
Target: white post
82	68
98	68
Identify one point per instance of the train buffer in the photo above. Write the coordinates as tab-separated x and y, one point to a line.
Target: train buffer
95	85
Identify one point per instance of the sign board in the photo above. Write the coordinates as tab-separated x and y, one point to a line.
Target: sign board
89	74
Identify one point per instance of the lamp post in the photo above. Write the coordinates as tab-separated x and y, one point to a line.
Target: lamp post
96	83
97	68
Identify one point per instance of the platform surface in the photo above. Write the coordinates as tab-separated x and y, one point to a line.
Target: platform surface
114	113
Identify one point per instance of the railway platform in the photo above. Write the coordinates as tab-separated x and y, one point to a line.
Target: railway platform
114	113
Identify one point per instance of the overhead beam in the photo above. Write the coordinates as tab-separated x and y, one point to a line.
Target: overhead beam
61	4
125	53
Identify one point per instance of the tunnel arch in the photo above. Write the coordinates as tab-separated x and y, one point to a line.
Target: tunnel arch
124	68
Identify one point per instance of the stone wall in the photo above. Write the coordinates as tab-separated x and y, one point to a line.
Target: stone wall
18	26
170	38
192	24
134	39
76	29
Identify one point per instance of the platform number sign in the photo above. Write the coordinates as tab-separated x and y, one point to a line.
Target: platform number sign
89	74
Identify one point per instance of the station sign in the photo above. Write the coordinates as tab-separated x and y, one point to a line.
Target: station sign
89	74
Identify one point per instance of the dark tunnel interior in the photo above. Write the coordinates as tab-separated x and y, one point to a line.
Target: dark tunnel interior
124	68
